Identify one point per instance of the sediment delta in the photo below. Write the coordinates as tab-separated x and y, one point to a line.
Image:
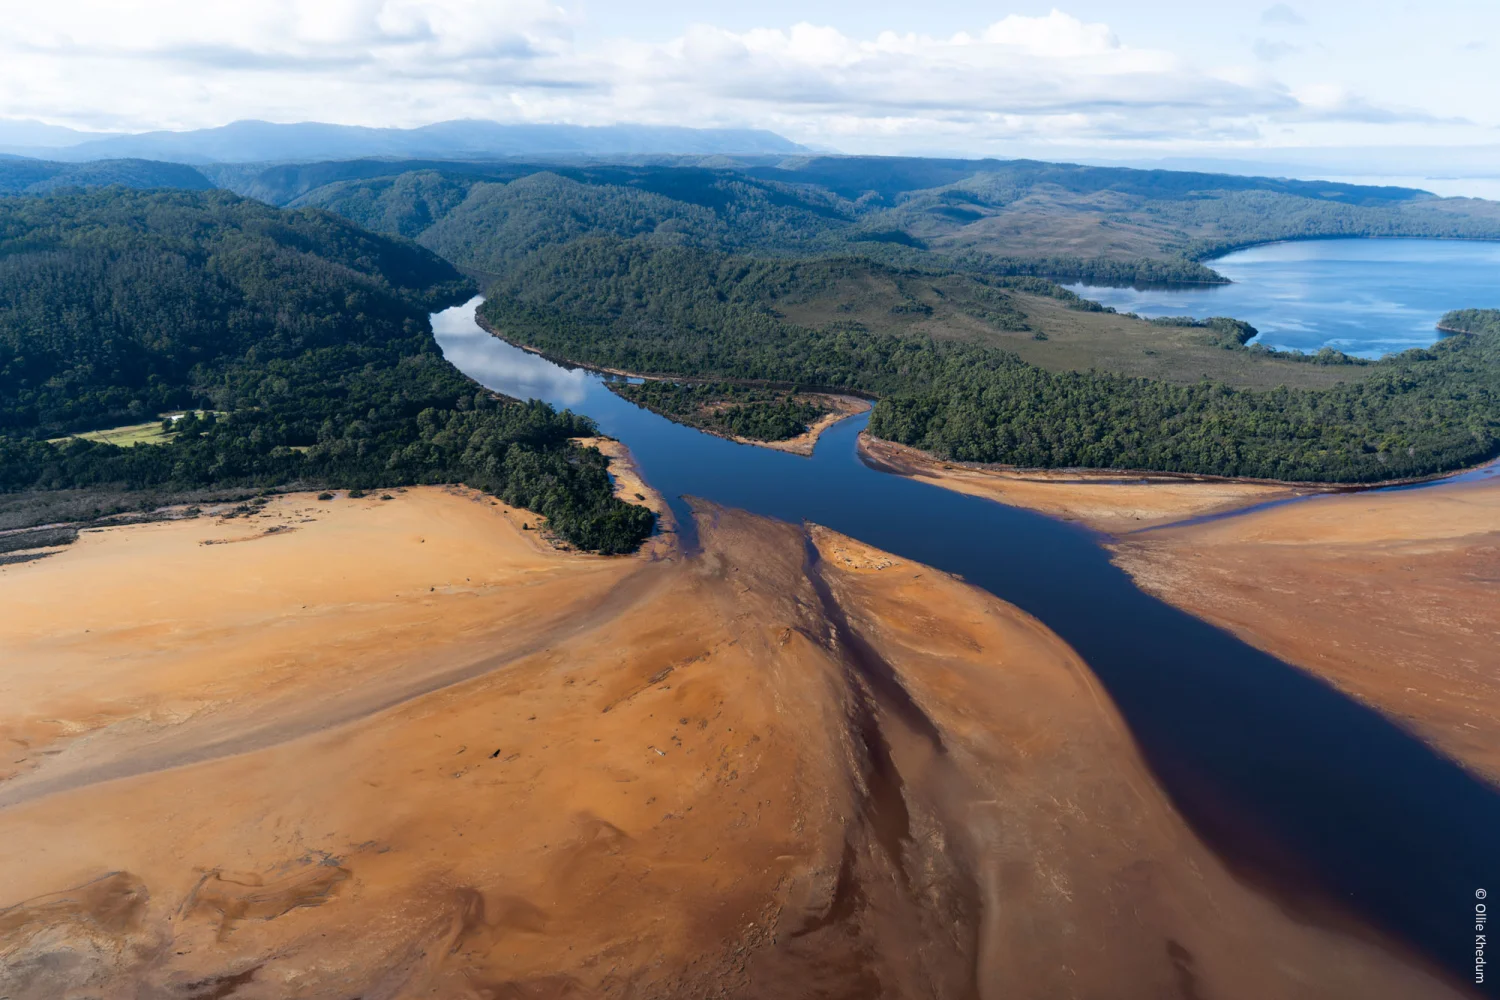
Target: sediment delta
400	747
1392	596
1389	595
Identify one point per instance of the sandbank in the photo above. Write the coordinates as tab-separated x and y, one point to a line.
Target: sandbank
1392	596
407	749
1107	501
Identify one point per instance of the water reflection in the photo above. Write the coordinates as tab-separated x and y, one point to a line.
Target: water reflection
523	375
1363	297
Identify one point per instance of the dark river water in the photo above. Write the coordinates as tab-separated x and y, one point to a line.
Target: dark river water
1363	297
1298	787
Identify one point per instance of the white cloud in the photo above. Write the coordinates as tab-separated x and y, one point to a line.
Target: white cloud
1057	35
1281	14
135	64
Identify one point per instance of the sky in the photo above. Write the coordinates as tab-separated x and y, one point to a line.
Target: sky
1397	79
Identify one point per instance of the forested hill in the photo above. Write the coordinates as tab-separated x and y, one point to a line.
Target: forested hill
1002	216
20	176
115	305
302	339
1019	217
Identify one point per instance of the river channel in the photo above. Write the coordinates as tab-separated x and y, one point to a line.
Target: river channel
1299	788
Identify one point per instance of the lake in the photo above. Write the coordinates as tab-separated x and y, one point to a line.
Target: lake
1362	297
1297	786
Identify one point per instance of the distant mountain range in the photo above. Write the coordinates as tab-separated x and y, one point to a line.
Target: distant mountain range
269	142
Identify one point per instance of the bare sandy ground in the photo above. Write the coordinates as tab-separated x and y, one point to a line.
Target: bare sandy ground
1104	501
405	750
1394	597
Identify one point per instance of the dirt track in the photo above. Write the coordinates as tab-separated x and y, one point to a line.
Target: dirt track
469	766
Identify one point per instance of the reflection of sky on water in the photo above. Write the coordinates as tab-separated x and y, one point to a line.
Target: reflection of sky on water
1365	297
513	371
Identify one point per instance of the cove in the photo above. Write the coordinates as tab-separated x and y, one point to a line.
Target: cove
1299	788
1359	296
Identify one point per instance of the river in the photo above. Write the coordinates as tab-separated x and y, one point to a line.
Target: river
1362	297
1298	787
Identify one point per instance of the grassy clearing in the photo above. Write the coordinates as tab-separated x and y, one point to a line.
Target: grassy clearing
126	437
1078	341
130	435
954	307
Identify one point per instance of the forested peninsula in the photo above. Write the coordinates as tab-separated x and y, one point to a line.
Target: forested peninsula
304	339
696	313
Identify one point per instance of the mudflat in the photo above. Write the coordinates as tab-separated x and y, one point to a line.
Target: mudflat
1394	597
402	748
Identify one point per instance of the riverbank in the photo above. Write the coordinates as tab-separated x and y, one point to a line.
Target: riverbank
1112	502
402	747
839	407
1389	596
629	484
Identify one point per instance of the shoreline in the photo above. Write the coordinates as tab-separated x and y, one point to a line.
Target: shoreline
1311	486
818	390
1386	596
844	407
632	487
1135	476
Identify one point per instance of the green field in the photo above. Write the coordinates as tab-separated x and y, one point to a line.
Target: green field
130	435
126	437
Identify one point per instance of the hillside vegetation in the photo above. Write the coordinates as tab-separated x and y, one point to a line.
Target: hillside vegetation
309	335
688	312
20	176
999	217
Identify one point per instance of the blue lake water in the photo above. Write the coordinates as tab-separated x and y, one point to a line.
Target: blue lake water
1294	784
1362	297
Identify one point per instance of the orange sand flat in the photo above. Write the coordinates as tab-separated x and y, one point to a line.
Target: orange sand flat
174	632
1394	597
1100	500
473	767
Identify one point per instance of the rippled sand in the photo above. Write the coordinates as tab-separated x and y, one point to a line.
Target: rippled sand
402	748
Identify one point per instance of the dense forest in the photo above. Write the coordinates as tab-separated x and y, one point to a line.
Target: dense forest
308	334
727	408
21	176
693	313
